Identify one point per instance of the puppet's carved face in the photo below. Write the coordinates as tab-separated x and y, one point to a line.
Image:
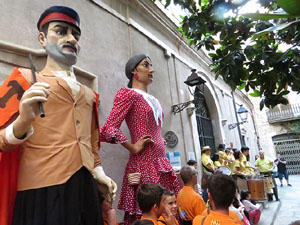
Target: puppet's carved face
144	71
62	43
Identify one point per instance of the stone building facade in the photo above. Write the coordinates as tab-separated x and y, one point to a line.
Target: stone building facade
279	130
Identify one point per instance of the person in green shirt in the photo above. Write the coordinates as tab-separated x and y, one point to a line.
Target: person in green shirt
265	166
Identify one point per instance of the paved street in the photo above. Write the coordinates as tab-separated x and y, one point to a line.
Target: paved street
288	210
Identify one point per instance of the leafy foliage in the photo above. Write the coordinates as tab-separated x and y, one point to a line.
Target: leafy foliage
245	51
294	126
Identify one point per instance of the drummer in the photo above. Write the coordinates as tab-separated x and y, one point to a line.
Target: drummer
245	160
207	163
240	171
230	158
222	155
217	160
266	167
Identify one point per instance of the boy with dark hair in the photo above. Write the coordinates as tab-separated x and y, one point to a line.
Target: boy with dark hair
221	192
151	202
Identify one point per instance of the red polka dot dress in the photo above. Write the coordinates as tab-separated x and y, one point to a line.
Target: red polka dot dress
151	162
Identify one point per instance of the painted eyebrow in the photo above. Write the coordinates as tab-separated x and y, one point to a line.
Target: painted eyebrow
74	31
60	26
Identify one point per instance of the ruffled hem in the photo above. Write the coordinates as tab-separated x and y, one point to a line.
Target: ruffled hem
152	172
112	135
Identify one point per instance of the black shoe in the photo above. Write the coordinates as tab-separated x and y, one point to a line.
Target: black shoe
290	185
281	185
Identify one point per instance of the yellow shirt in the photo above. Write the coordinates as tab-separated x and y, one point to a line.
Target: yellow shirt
264	165
231	164
249	170
238	164
207	160
223	156
217	164
244	160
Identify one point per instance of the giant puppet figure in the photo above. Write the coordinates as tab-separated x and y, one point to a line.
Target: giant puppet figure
144	117
56	156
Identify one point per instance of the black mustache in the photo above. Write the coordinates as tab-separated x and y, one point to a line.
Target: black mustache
70	46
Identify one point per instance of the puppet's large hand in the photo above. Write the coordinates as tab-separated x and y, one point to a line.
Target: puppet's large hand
28	108
106	185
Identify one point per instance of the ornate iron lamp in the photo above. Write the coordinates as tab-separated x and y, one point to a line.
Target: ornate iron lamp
191	81
243	114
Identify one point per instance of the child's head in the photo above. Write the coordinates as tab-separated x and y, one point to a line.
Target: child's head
245	195
170	201
105	204
150	197
215	157
193	163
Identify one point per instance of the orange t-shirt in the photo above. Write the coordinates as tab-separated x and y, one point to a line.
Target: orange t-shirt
162	219
190	203
217	218
154	221
105	220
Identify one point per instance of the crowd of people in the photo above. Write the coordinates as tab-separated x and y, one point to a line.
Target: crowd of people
50	162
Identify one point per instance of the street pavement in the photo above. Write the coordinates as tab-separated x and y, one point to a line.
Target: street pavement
287	209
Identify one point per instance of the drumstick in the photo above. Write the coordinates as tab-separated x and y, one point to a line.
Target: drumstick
40	105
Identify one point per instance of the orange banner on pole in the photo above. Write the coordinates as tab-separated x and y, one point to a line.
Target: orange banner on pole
11	92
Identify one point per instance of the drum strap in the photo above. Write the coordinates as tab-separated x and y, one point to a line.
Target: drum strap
202	222
209	170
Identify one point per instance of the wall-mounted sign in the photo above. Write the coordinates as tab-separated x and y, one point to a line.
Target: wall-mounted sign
174	158
191	156
171	139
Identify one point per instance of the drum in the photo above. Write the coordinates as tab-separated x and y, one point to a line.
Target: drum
269	184
257	189
225	170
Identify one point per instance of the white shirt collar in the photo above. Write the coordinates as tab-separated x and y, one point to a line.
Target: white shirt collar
154	104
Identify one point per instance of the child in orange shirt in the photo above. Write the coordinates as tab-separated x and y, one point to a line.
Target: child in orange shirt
171	203
221	191
108	212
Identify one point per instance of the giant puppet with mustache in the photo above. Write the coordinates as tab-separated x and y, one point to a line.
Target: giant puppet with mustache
48	165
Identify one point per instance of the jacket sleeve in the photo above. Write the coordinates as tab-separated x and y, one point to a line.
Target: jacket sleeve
95	138
123	103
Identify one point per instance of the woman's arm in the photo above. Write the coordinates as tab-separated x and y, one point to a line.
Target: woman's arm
137	146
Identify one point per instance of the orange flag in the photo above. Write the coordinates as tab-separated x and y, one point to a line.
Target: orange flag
11	92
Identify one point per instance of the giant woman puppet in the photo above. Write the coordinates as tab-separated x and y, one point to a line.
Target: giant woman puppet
144	118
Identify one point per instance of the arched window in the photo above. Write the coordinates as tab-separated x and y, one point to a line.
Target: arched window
205	130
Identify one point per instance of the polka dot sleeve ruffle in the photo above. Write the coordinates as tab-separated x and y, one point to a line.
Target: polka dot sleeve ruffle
111	132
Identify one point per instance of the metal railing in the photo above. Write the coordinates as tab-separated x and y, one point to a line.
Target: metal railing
284	113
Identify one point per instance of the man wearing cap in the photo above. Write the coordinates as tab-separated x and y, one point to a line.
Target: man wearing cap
58	153
207	163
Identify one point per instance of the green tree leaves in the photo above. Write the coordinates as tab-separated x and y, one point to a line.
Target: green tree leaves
247	50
